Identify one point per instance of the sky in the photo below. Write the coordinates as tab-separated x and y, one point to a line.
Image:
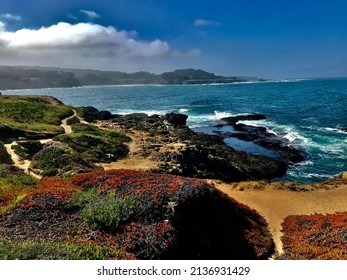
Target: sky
262	38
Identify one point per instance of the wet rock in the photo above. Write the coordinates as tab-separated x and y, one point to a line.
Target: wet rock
176	119
271	141
234	120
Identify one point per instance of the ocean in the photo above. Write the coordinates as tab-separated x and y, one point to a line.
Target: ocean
309	113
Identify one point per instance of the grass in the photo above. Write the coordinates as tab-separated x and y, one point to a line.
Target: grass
30	113
103	211
48	250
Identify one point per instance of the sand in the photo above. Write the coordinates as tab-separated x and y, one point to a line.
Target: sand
274	205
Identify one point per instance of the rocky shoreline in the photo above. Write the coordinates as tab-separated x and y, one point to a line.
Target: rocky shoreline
184	152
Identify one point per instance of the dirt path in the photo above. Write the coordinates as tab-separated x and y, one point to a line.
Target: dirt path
24	164
18	162
67	128
134	160
275	205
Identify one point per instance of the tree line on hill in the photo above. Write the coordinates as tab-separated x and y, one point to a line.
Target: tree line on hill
20	77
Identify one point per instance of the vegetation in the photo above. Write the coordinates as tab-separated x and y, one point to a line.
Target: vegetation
130	214
94	144
317	236
103	210
14	184
41	77
48	250
60	160
37	114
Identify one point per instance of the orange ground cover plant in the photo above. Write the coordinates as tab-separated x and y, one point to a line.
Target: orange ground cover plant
317	236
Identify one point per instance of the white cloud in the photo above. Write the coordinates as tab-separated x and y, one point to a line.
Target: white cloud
82	39
204	22
89	13
10	17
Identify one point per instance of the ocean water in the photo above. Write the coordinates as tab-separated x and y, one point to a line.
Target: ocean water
309	113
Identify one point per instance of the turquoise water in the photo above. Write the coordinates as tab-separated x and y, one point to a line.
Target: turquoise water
309	113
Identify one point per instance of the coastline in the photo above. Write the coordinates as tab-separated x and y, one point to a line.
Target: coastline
164	144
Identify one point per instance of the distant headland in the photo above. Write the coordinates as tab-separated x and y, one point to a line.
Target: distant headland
29	77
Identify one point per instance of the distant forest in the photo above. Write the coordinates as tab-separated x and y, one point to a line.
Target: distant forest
25	77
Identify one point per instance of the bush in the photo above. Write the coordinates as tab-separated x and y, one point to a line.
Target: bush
94	147
103	211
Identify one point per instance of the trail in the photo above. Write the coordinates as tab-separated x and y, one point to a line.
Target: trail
24	164
134	160
67	128
275	205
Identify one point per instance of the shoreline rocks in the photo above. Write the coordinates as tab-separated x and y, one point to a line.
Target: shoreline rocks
261	137
187	153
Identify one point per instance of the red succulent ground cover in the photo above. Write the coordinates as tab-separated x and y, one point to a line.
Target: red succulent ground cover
174	218
318	236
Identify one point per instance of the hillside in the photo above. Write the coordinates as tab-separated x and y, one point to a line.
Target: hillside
20	77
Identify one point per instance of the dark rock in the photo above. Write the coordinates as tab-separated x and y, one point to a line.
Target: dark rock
105	115
234	120
9	134
209	157
176	119
344	129
4	156
273	142
200	155
27	149
91	114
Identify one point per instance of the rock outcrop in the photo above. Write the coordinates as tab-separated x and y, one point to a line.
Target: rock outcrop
261	137
4	156
184	152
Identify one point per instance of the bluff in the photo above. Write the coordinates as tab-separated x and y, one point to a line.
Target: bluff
22	77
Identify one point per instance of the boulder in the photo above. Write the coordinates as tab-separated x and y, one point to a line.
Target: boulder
91	114
176	119
105	115
4	156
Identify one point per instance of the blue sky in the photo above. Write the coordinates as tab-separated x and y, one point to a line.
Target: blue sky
268	38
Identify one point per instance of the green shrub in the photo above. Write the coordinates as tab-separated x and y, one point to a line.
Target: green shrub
114	134
103	210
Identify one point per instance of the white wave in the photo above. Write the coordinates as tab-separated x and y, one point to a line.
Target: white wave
307	175
288	80
330	129
148	112
219	115
183	110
